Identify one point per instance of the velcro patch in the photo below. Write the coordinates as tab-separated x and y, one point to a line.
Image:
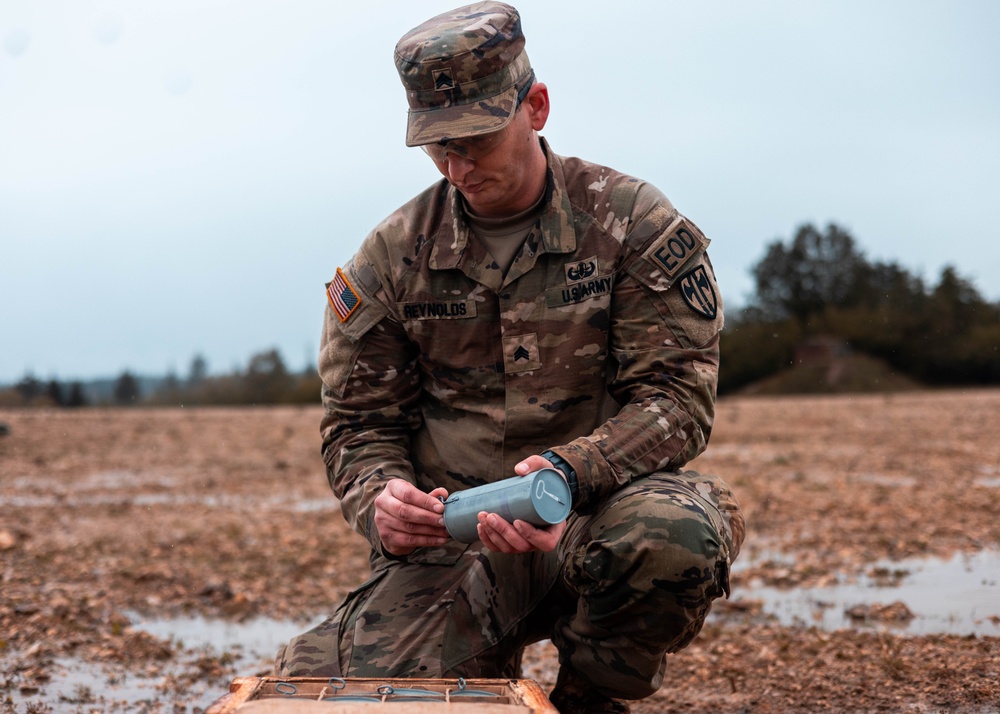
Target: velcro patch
443	80
580	270
438	310
578	292
520	353
675	247
696	288
344	299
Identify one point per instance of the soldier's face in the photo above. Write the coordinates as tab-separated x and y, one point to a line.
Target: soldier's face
503	174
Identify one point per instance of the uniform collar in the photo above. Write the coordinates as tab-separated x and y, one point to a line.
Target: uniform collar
557	224
451	247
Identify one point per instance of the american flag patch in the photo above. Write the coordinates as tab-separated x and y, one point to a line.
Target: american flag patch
344	299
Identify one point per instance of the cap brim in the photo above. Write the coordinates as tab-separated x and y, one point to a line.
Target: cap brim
430	126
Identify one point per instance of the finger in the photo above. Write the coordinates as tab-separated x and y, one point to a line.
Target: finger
530	464
408	493
491	543
387	523
402	528
489	537
504	534
494	541
416	515
543	539
440	493
404	543
397	535
406	502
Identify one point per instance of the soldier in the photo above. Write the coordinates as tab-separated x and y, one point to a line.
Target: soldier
528	311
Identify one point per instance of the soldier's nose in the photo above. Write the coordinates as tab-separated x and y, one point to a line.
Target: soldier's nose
458	167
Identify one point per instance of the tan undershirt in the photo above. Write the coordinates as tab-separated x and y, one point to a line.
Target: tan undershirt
503	237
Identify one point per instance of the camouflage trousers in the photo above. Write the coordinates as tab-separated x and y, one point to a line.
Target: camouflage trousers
627	585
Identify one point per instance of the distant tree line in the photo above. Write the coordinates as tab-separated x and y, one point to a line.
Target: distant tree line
265	380
30	391
819	284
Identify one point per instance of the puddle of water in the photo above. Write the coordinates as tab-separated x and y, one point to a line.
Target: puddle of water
76	685
958	596
255	641
249	647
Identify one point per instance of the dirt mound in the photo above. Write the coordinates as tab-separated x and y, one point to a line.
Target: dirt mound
829	367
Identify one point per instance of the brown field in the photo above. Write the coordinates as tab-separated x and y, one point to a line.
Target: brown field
148	556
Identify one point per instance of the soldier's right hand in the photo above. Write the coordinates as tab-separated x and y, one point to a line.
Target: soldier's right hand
407	518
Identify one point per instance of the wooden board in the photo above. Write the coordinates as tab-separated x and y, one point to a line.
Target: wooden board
318	695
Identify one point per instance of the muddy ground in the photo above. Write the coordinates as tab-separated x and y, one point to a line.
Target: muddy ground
128	537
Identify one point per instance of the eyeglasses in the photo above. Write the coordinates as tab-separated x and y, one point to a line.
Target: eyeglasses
475	148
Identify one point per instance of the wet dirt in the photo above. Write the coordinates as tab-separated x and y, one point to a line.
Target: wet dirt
148	556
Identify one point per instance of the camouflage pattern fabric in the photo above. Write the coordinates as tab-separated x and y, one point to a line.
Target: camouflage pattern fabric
601	344
626	585
460	69
448	372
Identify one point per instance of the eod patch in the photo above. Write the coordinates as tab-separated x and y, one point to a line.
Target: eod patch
678	244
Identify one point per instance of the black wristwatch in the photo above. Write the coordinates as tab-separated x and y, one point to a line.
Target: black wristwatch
560	463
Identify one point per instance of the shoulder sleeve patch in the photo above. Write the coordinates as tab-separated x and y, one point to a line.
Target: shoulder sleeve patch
698	292
671	251
343	298
649	226
351	299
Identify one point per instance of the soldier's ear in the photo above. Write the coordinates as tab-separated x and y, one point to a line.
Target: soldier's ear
537	105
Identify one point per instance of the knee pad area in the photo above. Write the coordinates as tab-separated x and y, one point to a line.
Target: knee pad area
647	543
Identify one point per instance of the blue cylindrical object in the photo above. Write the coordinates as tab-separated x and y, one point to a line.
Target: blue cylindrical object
541	498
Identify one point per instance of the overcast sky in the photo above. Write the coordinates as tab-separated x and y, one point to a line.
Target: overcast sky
182	177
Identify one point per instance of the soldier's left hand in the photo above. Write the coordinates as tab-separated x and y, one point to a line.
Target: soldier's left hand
520	536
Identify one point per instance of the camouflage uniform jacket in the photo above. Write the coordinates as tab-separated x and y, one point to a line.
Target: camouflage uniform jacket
600	343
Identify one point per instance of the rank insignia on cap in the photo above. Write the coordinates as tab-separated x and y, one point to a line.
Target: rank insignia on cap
344	299
696	287
443	80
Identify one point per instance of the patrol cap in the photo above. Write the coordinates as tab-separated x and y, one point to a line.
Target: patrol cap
462	71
